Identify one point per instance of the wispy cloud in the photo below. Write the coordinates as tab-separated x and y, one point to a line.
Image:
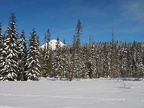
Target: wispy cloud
134	9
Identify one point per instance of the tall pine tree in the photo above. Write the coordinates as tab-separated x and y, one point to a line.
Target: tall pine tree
33	67
22	56
47	58
76	62
57	60
1	52
11	55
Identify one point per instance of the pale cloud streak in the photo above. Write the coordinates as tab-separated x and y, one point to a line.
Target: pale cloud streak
133	9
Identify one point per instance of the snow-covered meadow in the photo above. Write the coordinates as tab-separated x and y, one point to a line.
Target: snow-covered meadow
88	93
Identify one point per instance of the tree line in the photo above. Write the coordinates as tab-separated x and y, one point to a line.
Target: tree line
103	59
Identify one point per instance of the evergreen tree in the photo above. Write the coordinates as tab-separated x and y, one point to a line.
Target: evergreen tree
11	57
48	35
42	57
97	60
22	56
77	66
139	60
75	72
1	52
1	36
65	62
85	59
123	61
33	67
130	60
57	60
78	31
47	65
106	60
134	66
114	64
91	62
37	40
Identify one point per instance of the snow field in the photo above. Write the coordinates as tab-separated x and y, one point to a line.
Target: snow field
90	93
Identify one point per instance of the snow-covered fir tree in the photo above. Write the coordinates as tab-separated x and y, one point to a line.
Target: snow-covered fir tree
114	60
123	61
62	63
106	60
57	60
130	60
77	66
101	60
78	31
1	36
1	52
47	57
97	63
22	56
33	67
76	62
134	62
139	60
65	62
91	63
11	65
85	60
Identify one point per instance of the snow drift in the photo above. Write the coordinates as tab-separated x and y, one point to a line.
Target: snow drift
88	93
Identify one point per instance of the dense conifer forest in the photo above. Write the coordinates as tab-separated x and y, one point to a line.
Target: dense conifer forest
102	59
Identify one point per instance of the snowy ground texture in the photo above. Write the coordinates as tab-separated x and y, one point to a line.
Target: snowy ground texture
94	93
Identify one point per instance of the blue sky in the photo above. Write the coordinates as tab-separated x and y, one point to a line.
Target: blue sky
61	16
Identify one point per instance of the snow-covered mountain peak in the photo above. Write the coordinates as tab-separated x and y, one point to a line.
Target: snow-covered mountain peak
53	44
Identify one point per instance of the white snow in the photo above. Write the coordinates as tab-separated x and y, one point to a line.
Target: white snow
88	93
53	44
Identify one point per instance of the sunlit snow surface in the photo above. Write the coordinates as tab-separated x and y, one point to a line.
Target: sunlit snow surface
51	93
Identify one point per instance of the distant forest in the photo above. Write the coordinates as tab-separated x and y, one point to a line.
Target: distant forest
103	59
